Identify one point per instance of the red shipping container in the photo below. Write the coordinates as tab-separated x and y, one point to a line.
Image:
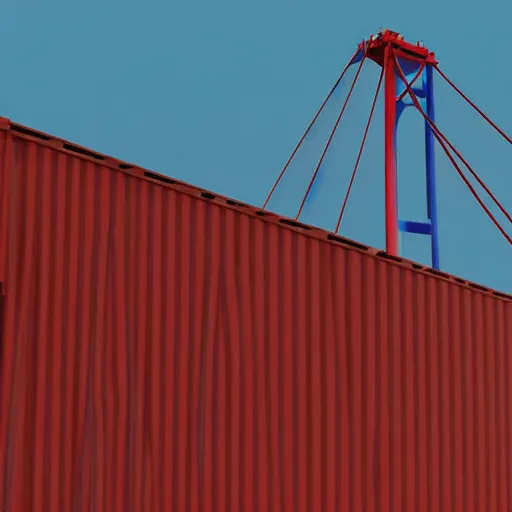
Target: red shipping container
167	349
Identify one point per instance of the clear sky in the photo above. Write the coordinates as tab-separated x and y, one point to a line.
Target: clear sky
218	93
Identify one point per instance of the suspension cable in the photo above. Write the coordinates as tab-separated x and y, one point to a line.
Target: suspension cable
320	110
452	147
326	148
363	141
486	117
472	189
454	163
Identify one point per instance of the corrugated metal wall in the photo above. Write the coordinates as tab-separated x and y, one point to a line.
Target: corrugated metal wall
162	352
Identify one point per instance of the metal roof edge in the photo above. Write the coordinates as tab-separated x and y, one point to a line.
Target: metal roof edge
63	145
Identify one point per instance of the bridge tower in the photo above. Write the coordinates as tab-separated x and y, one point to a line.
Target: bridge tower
401	59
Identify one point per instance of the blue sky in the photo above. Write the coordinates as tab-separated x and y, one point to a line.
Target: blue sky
218	93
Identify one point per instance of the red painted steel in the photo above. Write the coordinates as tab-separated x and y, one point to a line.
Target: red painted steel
164	348
390	153
376	48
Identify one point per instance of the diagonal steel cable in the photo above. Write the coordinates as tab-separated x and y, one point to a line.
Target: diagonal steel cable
453	148
444	145
363	141
326	148
299	144
480	111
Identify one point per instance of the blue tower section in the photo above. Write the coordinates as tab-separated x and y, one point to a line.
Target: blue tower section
423	88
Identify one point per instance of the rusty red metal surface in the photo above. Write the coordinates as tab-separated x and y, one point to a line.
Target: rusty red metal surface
164	348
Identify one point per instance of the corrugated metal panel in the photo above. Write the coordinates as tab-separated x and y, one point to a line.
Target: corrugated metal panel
166	352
